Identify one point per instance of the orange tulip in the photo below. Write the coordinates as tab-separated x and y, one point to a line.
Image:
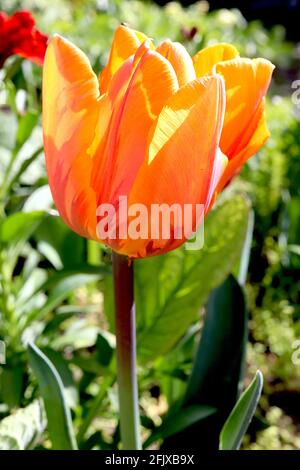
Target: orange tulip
149	130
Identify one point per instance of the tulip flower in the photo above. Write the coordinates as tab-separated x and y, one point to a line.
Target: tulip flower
157	127
18	35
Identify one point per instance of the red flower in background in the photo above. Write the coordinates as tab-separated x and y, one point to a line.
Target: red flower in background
18	35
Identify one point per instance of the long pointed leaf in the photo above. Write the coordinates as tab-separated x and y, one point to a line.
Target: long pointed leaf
239	419
52	390
222	345
218	366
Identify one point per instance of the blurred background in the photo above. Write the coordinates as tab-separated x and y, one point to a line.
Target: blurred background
51	277
269	12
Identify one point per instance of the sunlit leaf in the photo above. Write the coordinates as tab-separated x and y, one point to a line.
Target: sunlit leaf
239	419
170	289
19	226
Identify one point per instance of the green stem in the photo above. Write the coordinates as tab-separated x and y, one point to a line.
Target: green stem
126	352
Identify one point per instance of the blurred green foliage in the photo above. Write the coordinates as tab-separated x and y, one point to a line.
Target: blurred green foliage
52	282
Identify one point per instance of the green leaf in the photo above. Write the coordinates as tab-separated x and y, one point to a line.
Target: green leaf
19	226
11	385
65	286
24	428
61	246
239	419
170	289
294	249
25	128
219	359
63	313
18	174
182	419
82	334
105	345
62	367
61	285
218	368
96	442
52	390
30	285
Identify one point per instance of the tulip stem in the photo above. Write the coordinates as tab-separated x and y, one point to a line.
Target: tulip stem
126	352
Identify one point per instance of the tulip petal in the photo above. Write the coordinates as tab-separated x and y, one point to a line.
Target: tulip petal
256	136
221	163
246	82
180	59
71	108
205	59
182	152
152	82
125	43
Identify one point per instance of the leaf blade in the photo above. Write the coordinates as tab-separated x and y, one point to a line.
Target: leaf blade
239	419
51	388
177	282
218	365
